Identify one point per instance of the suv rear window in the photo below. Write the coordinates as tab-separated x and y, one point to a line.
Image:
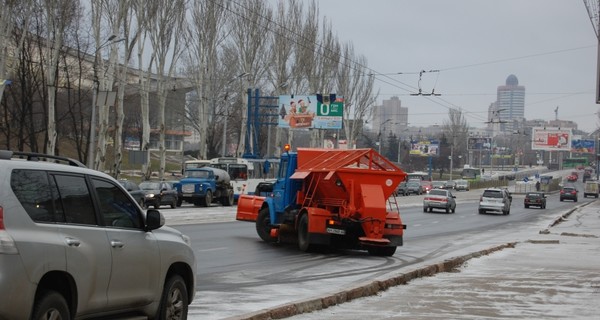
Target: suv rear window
492	194
53	197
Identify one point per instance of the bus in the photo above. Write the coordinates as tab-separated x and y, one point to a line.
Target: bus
470	173
576	163
418	175
245	174
192	164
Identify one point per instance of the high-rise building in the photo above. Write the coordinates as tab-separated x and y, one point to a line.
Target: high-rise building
390	116
510	104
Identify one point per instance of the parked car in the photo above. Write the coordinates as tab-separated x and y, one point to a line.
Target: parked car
134	190
450	184
461	185
439	199
159	193
414	187
496	200
438	184
569	193
535	199
402	189
76	245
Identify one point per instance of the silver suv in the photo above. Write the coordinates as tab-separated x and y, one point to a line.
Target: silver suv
495	199
75	244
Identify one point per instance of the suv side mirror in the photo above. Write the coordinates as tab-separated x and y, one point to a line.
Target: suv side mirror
154	219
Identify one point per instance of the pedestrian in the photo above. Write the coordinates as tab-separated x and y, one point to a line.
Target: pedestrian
537	186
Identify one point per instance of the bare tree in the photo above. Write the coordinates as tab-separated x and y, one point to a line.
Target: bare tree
205	35
457	129
250	22
58	14
356	86
165	33
131	34
144	14
282	55
11	14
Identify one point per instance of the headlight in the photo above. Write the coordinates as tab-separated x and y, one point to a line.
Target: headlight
150	195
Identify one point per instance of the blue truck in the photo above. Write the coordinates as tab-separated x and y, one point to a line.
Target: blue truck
203	186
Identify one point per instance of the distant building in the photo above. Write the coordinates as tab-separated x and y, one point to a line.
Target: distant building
509	107
390	116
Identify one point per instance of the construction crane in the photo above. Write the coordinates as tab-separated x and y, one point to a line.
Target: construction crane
593	9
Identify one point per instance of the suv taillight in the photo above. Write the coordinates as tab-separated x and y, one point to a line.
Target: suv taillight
7	244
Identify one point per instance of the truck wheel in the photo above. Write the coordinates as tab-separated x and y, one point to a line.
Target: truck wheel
208	199
382	251
263	225
174	300
303	242
50	305
227	200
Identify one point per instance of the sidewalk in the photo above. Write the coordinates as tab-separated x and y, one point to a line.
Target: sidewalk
554	274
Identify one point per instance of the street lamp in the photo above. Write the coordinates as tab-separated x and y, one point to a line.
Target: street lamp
92	140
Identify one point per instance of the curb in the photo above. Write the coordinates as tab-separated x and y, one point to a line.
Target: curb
369	289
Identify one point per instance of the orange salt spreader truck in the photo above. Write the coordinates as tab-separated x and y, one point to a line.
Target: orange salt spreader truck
330	198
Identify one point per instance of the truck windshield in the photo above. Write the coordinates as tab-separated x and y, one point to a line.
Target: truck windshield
197	174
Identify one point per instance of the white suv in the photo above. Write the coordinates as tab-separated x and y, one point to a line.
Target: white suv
75	244
495	199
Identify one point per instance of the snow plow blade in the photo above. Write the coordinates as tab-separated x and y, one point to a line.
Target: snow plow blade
248	207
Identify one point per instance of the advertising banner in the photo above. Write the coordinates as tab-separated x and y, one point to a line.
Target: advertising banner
551	139
583	146
424	148
479	143
310	111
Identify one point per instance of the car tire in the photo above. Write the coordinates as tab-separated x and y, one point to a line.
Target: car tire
174	300
142	204
543	206
526	207
263	225
179	202
481	211
561	199
303	242
50	305
174	204
157	204
227	200
454	209
208	198
447	209
424	209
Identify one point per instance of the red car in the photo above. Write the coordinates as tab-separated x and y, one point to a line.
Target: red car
572	178
426	185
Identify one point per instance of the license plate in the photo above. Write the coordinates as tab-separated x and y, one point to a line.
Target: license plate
336	231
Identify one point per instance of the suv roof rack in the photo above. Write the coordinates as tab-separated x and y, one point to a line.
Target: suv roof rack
32	156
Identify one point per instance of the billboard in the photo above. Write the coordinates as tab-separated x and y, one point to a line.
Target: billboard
551	139
583	146
479	144
311	112
424	148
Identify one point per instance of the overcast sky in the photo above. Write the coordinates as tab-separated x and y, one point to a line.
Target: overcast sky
549	45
